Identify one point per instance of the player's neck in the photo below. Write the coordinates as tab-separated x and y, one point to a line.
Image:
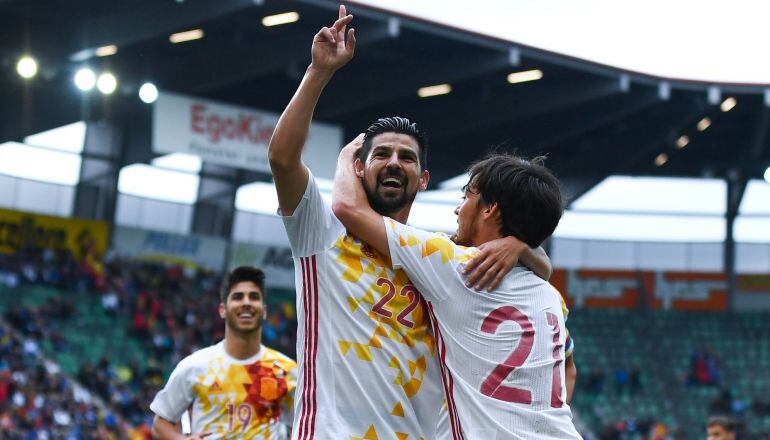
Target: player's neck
485	235
242	345
401	215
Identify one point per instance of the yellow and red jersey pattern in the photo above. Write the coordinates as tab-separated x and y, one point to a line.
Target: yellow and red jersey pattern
365	350
230	398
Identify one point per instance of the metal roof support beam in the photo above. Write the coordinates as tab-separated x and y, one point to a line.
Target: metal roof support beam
242	64
505	109
124	29
392	86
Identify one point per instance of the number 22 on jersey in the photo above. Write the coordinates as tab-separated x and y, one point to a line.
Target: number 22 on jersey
408	291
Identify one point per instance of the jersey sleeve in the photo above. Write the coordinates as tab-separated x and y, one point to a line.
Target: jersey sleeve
312	227
432	261
174	399
569	344
287	412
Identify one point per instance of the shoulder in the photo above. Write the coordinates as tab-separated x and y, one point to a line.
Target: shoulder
286	362
429	242
201	357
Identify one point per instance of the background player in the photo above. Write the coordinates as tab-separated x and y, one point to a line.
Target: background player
720	428
367	365
501	353
237	388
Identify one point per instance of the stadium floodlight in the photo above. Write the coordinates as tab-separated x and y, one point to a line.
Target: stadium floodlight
106	51
728	104
107	83
181	37
279	19
767	175
26	67
85	79
704	123
661	159
148	93
682	141
440	89
527	75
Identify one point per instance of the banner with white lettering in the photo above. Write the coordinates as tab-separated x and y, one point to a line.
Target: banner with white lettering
233	136
187	250
276	261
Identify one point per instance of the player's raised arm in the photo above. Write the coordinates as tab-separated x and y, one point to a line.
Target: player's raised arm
330	51
350	204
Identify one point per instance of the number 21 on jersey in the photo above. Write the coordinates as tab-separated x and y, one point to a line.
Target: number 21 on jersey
492	385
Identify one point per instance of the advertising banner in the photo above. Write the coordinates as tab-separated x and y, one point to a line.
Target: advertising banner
233	136
276	261
187	250
631	289
21	229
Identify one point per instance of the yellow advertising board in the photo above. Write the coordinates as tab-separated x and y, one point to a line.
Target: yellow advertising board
22	229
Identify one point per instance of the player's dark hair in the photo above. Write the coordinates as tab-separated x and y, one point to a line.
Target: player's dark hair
725	422
241	274
395	124
526	192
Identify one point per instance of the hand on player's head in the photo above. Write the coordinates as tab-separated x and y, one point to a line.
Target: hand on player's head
331	50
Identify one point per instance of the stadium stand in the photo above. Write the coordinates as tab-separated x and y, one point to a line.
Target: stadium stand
663	351
147	316
150	315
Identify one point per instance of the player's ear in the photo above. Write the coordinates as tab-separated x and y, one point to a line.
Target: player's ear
222	310
358	166
424	179
491	211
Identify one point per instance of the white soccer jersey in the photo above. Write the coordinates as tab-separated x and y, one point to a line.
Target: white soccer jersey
501	353
364	346
231	398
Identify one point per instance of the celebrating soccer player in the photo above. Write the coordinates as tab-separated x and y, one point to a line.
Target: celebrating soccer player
237	388
501	353
366	353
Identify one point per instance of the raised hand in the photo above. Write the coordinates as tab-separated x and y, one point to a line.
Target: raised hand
331	50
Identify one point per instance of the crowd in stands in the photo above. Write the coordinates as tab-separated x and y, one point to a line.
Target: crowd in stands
172	310
38	402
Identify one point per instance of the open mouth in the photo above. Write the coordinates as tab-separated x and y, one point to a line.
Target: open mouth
246	315
392	182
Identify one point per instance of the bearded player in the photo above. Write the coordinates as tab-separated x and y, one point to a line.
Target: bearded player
367	359
237	388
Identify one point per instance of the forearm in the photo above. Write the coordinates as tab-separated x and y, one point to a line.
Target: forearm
291	131
570	371
162	429
288	140
351	206
538	262
347	192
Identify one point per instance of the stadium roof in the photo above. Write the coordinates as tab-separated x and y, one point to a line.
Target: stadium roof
592	120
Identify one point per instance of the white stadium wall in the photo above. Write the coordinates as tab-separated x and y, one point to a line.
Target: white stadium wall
37	197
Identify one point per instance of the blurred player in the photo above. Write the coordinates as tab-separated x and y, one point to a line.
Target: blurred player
367	364
237	388
501	353
720	428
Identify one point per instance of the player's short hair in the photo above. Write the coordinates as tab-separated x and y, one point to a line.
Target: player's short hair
725	422
241	274
395	124
527	193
